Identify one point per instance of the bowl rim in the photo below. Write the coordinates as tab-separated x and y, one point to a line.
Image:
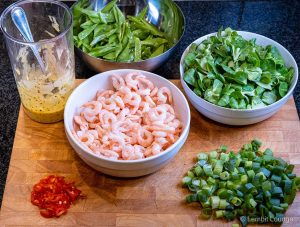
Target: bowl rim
137	62
255	35
111	72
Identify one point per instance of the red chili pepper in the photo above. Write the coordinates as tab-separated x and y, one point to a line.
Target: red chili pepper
54	196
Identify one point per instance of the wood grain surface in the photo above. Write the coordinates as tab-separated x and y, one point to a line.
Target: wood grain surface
153	200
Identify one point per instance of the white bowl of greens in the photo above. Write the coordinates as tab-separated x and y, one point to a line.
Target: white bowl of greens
237	78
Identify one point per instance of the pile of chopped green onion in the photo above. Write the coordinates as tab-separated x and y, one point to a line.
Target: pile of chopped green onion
252	184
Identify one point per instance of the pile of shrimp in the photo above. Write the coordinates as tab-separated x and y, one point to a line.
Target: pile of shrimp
133	122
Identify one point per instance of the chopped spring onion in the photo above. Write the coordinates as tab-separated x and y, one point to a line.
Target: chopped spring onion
223	148
224	175
213	155
219	213
223	204
207	213
186	180
198	170
236	201
208	170
218	167
249	184
214	202
202	156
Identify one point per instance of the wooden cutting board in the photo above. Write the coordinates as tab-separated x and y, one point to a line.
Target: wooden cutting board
153	200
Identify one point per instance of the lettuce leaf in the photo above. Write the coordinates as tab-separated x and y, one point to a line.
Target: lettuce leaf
233	72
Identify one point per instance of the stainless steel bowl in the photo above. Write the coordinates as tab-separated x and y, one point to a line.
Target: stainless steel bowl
164	14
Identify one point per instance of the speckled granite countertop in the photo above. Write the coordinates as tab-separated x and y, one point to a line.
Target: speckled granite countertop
277	19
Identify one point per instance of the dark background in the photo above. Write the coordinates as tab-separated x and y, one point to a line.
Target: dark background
277	19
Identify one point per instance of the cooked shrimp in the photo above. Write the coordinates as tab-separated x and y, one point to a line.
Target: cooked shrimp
162	128
169	117
133	137
94	106
154	92
159	134
168	108
157	114
175	123
117	82
144	83
134	102
155	148
164	95
93	133
133	122
116	142
119	101
107	118
99	130
109	154
105	94
119	127
94	123
144	92
81	122
145	107
130	82
144	137
149	100
139	149
161	141
146	120
108	103
126	92
129	152
135	99
123	113
91	109
76	136
85	137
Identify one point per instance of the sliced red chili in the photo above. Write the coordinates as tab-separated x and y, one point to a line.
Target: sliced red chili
54	196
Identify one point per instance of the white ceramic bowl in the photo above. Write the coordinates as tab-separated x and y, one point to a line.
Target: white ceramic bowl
120	168
233	116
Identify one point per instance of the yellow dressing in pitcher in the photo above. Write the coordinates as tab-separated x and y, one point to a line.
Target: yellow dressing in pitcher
45	108
44	95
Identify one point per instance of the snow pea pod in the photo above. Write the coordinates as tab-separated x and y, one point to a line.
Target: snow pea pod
143	13
101	51
125	55
137	50
101	28
154	42
158	51
119	17
103	36
143	24
82	35
109	6
87	24
141	34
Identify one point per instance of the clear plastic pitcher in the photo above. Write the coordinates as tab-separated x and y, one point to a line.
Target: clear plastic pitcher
43	95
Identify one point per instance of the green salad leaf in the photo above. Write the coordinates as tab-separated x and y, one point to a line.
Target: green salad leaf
232	72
